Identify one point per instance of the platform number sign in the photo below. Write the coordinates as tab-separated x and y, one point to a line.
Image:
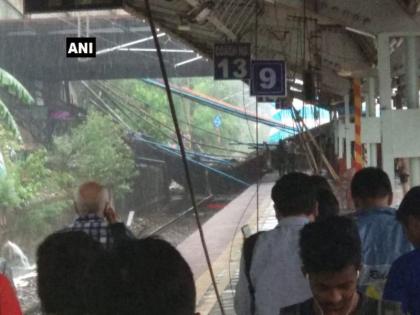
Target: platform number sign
268	77
232	61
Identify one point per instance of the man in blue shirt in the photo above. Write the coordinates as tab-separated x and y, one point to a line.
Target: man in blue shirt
383	239
403	282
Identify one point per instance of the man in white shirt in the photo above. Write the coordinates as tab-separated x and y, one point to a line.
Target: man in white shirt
275	279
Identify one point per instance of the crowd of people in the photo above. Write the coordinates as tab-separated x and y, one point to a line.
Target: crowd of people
314	262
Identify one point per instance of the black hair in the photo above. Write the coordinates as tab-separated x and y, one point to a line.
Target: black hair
327	204
410	205
62	262
153	279
370	182
330	245
320	182
294	194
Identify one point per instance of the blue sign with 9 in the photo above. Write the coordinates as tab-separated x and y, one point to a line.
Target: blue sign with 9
268	77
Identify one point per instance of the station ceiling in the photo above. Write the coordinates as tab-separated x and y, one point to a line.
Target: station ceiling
340	36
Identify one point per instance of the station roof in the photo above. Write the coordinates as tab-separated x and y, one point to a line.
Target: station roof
340	35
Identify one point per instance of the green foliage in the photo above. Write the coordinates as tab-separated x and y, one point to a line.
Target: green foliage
33	198
14	87
9	121
36	195
9	196
95	150
196	121
152	108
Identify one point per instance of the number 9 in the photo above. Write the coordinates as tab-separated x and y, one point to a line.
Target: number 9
268	78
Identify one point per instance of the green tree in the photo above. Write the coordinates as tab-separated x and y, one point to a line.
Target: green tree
196	121
95	150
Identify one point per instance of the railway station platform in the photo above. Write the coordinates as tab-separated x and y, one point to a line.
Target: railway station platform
224	240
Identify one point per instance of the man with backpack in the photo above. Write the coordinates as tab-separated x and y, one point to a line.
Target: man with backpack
270	276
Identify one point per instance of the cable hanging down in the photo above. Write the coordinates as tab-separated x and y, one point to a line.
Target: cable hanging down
183	153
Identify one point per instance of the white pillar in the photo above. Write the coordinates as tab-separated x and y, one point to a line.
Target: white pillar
371	102
347	128
384	68
371	112
412	94
340	148
385	94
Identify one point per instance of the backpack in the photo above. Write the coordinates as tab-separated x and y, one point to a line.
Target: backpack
248	250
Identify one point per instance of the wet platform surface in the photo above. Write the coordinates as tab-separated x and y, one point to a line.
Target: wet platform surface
224	239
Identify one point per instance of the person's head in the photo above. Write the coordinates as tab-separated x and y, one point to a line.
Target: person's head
408	214
91	198
331	256
371	188
327	204
293	194
63	259
154	279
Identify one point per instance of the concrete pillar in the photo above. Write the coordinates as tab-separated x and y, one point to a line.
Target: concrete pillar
371	112
412	95
385	94
347	128
384	69
340	148
371	101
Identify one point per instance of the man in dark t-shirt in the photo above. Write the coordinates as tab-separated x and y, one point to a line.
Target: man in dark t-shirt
331	255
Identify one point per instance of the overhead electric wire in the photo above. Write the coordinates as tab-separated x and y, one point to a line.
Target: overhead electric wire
183	153
172	151
111	111
133	99
257	121
189	140
232	110
163	133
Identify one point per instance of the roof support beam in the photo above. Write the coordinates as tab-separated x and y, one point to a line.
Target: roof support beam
215	21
